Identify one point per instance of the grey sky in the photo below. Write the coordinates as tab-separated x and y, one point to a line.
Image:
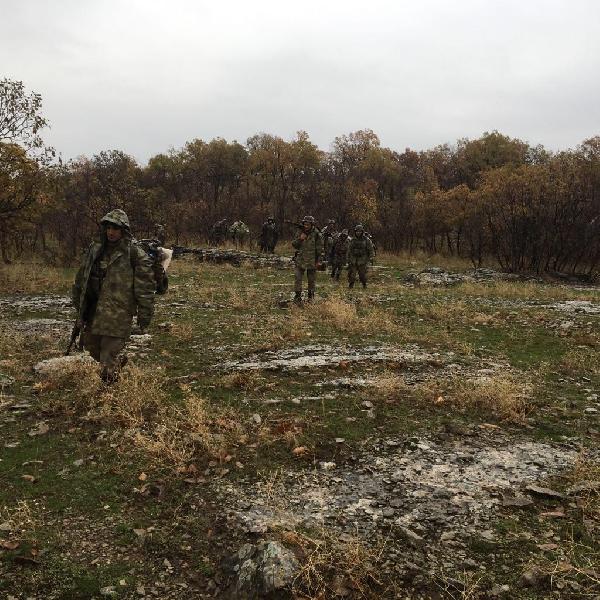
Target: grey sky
142	76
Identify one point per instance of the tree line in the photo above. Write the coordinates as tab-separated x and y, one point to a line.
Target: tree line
492	198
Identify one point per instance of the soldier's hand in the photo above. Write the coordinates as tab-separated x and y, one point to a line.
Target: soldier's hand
302	236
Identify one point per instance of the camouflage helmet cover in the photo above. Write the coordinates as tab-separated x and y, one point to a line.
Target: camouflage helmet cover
358	227
344	232
309	219
116	217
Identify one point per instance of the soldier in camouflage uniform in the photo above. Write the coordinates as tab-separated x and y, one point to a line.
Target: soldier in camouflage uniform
268	236
309	253
159	234
360	254
338	254
114	283
329	234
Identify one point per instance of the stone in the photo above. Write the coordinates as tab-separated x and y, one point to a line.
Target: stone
261	570
517	501
544	492
413	538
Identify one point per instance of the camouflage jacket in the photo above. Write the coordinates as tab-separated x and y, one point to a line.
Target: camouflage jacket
360	251
309	251
339	250
127	288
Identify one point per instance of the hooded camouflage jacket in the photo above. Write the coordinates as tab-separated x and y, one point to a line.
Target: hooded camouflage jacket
360	250
127	288
309	251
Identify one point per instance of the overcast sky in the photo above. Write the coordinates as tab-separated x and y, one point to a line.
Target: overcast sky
143	76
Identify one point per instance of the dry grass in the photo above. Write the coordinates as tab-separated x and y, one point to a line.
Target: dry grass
521	290
32	277
334	566
580	360
344	316
20	519
139	407
184	331
500	396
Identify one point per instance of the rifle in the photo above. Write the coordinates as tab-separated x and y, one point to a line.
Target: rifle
75	333
300	225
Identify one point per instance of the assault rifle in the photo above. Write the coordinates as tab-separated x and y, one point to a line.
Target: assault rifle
322	264
181	250
75	333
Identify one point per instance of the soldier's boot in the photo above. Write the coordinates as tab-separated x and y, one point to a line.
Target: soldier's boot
351	284
311	295
298	298
364	284
109	376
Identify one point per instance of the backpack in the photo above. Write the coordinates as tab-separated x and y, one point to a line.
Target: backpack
154	251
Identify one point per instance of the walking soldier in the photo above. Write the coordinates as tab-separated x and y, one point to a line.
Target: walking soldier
309	251
360	254
114	283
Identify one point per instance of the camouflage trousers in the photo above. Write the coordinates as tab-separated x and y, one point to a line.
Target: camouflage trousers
336	269
311	275
362	273
105	349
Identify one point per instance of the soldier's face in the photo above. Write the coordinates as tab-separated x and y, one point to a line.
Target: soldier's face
113	234
307	226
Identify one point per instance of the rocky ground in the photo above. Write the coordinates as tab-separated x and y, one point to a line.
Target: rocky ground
421	440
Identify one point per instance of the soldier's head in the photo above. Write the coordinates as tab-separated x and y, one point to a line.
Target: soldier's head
331	222
271	220
115	225
308	222
359	230
344	233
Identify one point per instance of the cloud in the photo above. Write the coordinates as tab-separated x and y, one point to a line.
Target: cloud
144	76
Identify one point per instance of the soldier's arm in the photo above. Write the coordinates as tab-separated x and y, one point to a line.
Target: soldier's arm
143	287
319	247
297	243
371	250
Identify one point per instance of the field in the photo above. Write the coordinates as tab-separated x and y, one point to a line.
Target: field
429	437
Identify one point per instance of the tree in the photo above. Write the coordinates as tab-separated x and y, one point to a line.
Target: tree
20	118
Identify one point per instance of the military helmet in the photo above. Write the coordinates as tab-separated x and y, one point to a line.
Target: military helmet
344	232
309	219
116	218
358	227
331	222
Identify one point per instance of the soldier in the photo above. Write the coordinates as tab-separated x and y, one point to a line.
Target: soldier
328	232
114	283
218	232
159	234
360	254
339	251
239	233
309	251
268	236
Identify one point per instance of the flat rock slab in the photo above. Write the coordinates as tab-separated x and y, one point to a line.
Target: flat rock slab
432	486
60	363
318	355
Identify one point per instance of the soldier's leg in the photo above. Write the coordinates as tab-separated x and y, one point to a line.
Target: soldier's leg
298	276
311	274
362	274
351	275
110	347
91	343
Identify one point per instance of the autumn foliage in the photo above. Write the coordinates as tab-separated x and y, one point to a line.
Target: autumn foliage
493	199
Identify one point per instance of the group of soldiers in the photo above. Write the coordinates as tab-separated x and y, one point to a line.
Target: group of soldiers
314	247
118	278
